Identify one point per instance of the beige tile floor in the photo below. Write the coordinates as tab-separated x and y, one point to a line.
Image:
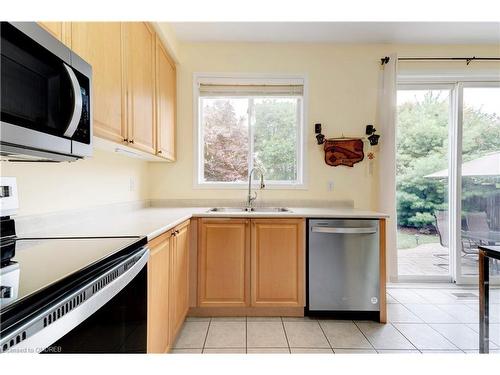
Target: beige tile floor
421	320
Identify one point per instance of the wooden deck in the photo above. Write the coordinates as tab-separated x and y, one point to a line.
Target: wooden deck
433	259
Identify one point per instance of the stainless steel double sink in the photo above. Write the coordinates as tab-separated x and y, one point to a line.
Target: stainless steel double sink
249	209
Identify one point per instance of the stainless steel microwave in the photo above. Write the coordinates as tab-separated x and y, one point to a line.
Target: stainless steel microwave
45	97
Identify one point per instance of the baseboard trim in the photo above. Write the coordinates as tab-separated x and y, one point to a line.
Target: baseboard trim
246	311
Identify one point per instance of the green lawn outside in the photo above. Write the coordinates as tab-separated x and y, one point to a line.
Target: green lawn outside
409	240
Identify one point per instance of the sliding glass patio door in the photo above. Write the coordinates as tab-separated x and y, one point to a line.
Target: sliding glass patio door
447	179
479	181
423	147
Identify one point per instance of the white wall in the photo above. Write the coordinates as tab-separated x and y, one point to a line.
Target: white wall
102	179
343	84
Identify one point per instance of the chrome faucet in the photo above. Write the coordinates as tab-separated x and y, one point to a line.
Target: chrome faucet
251	197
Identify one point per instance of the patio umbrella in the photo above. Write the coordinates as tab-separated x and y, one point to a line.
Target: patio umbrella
488	165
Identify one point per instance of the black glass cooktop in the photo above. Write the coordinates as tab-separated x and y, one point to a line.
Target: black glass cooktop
38	264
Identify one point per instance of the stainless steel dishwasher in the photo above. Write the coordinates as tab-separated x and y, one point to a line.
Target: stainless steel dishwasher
343	268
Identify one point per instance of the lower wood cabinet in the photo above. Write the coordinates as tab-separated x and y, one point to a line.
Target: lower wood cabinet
179	288
168	287
224	262
278	252
251	263
159	266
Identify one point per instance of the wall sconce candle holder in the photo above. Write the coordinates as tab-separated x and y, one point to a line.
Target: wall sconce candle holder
320	138
372	137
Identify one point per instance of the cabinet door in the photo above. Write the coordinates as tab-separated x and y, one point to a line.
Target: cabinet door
179	300
100	43
158	296
165	103
278	262
140	46
55	28
224	262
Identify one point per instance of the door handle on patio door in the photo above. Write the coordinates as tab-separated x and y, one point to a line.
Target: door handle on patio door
368	230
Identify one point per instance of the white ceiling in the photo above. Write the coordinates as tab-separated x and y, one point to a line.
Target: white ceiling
341	32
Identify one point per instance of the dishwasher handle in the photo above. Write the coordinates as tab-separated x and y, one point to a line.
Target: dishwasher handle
339	230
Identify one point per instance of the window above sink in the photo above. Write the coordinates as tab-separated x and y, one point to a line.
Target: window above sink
245	122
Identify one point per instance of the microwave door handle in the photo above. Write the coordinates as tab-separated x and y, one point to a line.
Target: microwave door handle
77	109
365	230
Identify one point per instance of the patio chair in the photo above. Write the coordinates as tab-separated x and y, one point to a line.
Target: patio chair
468	247
477	221
442	227
442	230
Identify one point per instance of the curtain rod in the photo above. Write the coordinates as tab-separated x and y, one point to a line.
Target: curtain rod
385	60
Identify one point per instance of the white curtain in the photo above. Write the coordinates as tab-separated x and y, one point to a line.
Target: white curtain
386	123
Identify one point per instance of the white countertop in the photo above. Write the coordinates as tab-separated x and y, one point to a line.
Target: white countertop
153	221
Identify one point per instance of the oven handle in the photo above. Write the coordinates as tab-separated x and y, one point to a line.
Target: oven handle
366	230
77	108
39	336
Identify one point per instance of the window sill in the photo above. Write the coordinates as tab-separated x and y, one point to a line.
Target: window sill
244	186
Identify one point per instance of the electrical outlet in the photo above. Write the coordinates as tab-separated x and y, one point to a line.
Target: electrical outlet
330	185
132	184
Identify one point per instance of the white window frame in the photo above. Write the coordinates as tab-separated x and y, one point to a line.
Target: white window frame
255	79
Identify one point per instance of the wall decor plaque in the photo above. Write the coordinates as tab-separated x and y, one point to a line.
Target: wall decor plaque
343	151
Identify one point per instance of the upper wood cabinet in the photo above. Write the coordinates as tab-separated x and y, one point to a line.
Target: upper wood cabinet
278	252
179	284
140	62
159	270
165	103
133	83
100	43
60	30
224	262
55	28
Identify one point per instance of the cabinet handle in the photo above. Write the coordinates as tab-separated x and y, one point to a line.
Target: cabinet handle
159	152
131	141
125	140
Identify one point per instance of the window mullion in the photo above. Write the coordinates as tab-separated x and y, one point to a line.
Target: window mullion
455	180
298	150
251	118
200	143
